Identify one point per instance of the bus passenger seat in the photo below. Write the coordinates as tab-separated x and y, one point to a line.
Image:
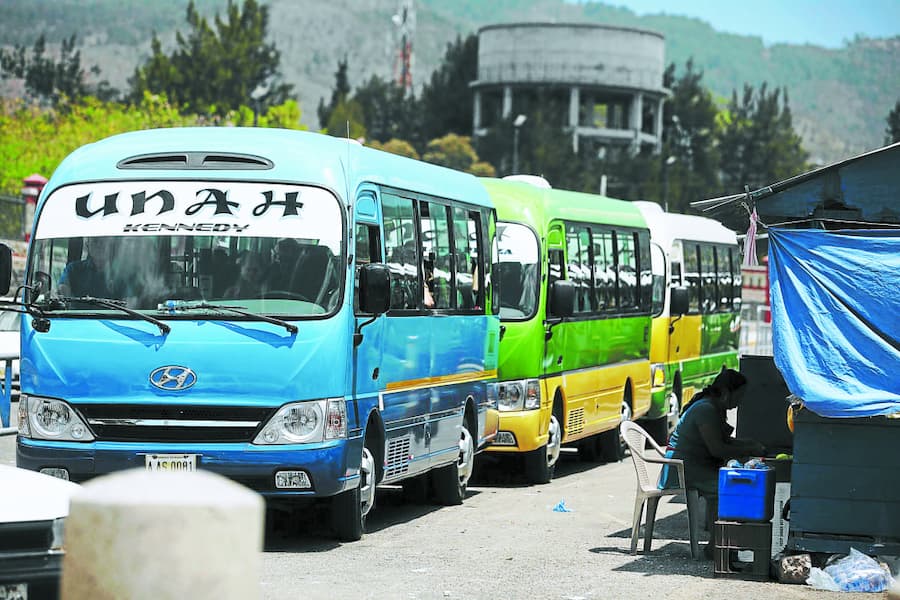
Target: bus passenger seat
312	273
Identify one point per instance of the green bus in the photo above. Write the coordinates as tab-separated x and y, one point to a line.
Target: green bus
693	336
575	313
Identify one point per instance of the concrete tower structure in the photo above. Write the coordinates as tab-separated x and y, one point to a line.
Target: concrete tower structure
607	82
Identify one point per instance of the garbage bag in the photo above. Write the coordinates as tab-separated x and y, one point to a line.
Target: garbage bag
855	572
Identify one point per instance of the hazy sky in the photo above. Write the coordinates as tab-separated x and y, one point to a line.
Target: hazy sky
821	22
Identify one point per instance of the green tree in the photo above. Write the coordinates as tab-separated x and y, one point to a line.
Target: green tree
456	152
758	144
689	161
339	93
892	133
215	69
48	80
347	112
446	100
396	146
389	112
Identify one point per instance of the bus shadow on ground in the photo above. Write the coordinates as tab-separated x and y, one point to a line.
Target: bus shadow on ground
308	529
494	470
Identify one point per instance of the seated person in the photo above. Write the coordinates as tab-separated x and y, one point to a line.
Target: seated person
89	276
250	282
284	259
702	439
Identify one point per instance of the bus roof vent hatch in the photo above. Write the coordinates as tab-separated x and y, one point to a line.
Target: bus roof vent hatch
535	180
196	161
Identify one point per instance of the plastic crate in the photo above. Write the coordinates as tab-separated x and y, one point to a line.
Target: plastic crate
746	494
742	550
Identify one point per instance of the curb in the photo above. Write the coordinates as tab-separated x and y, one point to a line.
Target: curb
8	430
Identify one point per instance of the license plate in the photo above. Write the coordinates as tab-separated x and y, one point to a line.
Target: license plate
170	462
13	591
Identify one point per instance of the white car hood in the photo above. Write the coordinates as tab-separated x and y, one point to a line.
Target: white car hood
31	496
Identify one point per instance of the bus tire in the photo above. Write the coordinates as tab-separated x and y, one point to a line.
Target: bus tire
589	448
349	509
609	446
658	429
451	481
540	464
415	489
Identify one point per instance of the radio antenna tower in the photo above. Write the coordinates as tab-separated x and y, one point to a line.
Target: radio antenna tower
405	22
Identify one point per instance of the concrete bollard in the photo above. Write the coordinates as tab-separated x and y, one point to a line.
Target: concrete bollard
139	534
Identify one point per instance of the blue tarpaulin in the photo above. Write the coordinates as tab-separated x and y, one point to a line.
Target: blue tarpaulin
835	299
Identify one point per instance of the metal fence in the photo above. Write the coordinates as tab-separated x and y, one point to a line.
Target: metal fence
756	331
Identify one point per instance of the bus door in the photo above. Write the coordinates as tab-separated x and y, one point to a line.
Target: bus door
367	248
554	347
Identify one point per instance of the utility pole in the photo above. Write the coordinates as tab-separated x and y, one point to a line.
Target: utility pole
405	21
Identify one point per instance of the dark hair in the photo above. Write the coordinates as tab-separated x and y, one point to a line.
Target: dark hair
728	380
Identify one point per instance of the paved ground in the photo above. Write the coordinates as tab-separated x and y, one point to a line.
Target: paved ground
504	542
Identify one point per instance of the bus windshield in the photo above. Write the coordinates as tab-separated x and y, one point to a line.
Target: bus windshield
518	271
151	262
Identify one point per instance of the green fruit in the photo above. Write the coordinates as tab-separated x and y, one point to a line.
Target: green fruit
782	456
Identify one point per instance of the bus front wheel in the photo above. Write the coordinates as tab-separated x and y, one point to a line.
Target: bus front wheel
540	464
349	509
451	481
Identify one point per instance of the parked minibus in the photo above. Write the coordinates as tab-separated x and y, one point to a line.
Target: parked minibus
293	311
575	283
697	297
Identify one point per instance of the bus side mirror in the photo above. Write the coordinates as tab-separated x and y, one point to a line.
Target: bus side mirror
5	269
374	288
562	299
679	301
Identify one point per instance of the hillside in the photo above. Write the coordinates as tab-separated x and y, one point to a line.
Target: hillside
839	98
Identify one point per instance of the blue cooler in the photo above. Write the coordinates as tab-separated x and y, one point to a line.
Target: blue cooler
746	494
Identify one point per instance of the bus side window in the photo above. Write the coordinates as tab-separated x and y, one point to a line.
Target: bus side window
692	276
466	245
368	250
626	270
557	260
578	267
401	253
736	280
604	270
651	298
435	228
723	268
709	291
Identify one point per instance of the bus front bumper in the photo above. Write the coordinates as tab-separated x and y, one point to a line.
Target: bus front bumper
327	465
521	431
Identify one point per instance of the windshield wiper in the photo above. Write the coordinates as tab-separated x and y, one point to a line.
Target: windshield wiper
176	305
114	304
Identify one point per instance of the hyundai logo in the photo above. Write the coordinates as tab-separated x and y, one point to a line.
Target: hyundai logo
173	378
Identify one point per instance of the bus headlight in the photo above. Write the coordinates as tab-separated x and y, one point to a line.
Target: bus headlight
524	394
532	394
304	422
51	419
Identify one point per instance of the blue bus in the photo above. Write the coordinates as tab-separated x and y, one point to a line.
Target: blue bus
296	312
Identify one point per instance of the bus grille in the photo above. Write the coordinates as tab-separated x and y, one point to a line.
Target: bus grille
28	536
575	423
174	423
397	462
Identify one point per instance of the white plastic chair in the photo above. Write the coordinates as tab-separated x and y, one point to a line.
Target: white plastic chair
636	439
